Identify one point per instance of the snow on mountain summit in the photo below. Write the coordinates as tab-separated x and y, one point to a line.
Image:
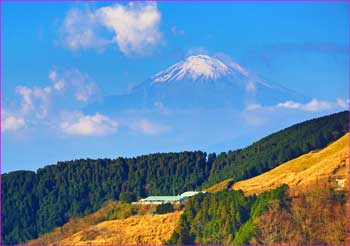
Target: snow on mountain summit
197	67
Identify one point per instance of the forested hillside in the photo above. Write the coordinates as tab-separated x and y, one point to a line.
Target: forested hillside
37	202
223	217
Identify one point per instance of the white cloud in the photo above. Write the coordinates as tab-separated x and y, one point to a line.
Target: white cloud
80	30
37	105
84	87
53	75
35	99
11	122
135	27
148	127
88	125
314	105
289	104
59	85
343	104
317	105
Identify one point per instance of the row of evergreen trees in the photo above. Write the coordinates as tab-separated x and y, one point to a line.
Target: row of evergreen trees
37	202
222	218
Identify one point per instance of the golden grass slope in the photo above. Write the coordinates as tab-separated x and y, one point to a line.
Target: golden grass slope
328	165
138	229
224	185
110	210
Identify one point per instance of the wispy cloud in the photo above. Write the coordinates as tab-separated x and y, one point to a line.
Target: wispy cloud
39	105
36	99
76	123
81	29
148	127
11	122
253	106
314	105
177	31
135	27
83	86
197	50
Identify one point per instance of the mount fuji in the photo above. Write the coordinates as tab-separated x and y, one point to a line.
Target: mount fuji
200	81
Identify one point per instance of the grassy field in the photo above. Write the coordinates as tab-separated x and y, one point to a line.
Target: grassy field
224	185
326	165
139	229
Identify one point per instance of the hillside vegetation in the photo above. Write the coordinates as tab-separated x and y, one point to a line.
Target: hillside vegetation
115	223
34	203
224	185
222	218
315	216
311	211
111	210
147	229
297	215
328	165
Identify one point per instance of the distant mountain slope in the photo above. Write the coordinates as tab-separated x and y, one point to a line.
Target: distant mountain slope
325	165
36	202
200	81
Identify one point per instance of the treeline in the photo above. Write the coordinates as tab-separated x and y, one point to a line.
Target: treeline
37	202
222	218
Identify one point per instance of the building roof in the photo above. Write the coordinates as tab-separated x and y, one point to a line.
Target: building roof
190	193
164	198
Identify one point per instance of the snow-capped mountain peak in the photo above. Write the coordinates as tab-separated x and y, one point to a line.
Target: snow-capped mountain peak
194	68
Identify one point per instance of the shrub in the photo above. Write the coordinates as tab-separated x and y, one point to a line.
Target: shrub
165	208
127	197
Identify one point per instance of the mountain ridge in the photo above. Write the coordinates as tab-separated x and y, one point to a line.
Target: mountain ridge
200	82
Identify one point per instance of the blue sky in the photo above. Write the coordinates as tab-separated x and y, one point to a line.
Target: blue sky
59	57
